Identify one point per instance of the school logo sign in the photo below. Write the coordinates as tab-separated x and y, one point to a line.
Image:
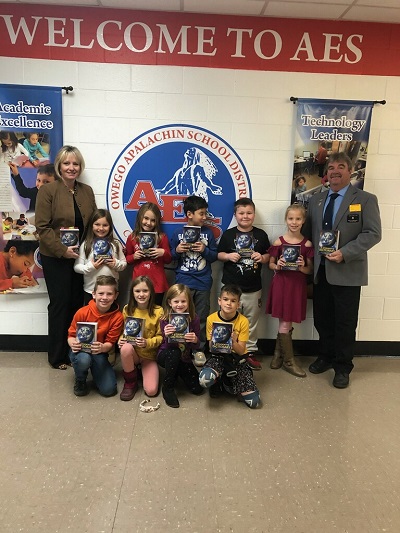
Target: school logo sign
164	166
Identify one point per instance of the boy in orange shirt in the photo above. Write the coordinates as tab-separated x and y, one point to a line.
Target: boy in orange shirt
104	310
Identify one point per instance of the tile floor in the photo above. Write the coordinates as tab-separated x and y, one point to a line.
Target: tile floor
312	459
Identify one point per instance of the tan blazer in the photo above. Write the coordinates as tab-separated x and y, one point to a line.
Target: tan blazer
55	210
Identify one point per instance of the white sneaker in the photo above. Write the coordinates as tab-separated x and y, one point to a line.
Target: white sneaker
199	358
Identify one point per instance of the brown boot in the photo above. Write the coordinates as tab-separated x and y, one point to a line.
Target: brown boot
289	363
130	385
277	358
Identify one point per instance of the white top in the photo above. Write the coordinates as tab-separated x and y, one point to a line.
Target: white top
84	265
11	153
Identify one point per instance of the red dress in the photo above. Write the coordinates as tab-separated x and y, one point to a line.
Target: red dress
153	268
287	297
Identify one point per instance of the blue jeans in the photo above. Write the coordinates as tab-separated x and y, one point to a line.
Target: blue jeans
102	372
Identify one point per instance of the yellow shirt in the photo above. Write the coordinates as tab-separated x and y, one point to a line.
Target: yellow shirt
152	331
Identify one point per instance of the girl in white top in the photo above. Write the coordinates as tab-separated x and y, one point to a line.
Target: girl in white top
11	148
99	253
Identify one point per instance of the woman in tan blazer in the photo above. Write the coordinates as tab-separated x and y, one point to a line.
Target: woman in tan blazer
62	204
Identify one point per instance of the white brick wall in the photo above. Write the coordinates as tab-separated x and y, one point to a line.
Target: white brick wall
112	104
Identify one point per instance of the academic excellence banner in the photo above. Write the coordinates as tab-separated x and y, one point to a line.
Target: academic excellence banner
30	136
322	128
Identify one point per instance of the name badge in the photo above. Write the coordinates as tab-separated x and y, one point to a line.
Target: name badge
353	217
353	208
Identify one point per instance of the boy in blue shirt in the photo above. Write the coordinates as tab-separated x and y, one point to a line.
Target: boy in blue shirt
194	263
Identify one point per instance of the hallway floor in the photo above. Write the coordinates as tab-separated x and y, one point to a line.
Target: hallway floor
312	459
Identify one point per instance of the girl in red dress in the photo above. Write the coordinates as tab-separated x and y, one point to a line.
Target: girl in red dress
149	261
291	260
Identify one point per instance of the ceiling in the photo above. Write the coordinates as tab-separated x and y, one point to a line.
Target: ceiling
353	10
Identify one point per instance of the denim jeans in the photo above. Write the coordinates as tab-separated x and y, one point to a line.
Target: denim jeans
102	372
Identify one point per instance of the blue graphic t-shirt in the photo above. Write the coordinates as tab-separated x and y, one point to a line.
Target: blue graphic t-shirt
194	268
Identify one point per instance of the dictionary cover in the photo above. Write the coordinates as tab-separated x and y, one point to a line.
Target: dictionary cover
181	323
102	249
291	253
86	334
70	237
147	240
221	337
328	241
133	328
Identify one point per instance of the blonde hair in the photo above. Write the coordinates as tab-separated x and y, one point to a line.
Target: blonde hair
62	155
296	207
173	292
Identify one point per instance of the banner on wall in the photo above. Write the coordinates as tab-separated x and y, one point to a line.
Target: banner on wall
324	127
30	136
63	33
168	163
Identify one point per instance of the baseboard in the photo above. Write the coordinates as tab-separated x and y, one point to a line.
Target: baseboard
38	343
362	348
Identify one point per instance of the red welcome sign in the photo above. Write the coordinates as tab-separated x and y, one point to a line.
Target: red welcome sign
198	40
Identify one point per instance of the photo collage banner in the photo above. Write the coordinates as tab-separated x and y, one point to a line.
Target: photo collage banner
324	127
30	136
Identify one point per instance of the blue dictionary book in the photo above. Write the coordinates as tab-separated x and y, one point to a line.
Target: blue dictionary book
244	244
86	334
133	328
291	253
70	237
147	240
191	234
102	249
221	337
181	323
328	242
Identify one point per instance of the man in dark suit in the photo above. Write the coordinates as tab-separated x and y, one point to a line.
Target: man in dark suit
338	277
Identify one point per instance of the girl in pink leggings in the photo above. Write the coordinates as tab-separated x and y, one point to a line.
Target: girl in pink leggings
142	349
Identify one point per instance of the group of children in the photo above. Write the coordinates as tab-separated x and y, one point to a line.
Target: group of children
242	249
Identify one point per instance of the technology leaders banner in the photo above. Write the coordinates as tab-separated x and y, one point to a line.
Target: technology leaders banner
30	137
324	127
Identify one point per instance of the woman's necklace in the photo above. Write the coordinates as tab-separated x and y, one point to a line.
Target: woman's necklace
71	190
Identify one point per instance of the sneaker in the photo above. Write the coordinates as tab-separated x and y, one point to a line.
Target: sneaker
80	388
252	362
199	358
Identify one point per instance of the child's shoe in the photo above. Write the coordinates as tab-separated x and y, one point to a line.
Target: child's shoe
128	392
80	388
130	386
252	362
199	358
170	397
215	390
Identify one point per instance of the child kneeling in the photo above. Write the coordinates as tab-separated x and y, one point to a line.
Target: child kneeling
105	312
230	371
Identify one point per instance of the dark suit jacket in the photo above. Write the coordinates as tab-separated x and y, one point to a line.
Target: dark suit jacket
360	229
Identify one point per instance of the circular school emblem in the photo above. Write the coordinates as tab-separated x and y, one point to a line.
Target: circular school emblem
164	166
